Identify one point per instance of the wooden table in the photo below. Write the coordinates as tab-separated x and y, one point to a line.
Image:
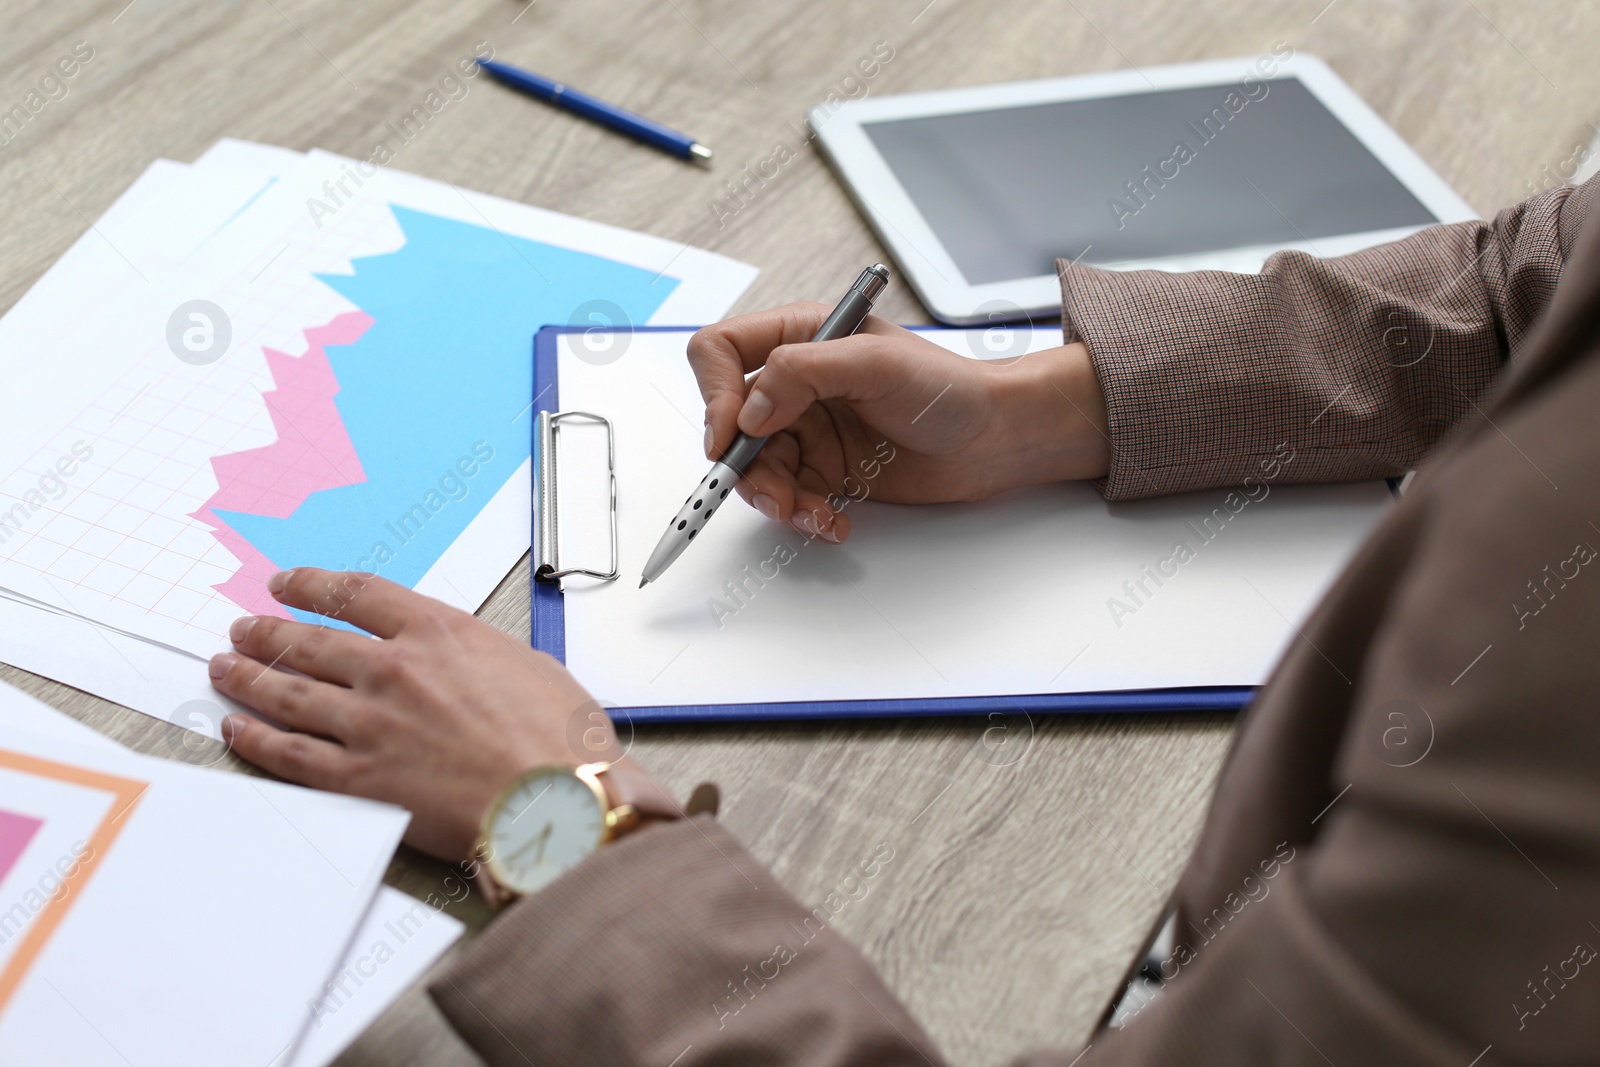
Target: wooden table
1028	857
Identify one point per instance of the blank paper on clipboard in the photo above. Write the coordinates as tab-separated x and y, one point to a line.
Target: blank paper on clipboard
1039	591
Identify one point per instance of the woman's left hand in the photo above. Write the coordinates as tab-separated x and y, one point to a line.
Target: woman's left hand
437	715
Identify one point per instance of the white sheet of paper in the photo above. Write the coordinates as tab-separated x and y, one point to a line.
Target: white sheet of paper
233	154
1012	596
149	678
396	943
22	712
211	922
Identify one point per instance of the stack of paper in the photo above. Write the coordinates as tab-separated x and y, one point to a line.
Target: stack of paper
153	912
267	359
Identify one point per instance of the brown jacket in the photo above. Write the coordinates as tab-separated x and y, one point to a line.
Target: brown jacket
1419	781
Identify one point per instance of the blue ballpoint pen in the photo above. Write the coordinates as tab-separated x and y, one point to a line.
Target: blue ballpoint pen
565	96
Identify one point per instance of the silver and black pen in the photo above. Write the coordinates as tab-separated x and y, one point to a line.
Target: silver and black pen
845	319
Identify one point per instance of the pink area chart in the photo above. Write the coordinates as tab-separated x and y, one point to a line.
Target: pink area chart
15	833
313	451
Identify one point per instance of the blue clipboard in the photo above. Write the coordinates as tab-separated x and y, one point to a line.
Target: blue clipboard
550	635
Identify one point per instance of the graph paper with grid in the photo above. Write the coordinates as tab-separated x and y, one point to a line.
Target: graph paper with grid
117	539
377	354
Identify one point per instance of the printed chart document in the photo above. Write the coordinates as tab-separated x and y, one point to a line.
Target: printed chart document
153	912
344	387
290	361
1044	590
398	940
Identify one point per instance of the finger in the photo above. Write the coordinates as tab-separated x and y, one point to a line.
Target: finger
814	517
768	484
860	367
294	700
773	486
375	604
721	355
326	654
292	756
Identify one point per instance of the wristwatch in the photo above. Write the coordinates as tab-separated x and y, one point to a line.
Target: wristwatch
551	817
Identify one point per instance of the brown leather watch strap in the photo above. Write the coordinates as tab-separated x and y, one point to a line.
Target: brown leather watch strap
629	785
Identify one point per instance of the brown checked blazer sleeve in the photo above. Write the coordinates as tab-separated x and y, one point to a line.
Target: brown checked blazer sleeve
673	946
1361	362
1401	863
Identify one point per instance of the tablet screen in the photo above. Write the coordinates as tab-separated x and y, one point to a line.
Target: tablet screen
1145	176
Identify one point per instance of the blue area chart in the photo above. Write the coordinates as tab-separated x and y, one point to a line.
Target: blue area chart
435	394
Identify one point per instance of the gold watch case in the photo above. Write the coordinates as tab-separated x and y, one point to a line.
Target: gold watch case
614	820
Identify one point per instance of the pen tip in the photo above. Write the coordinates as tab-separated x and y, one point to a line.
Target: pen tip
643	582
700	152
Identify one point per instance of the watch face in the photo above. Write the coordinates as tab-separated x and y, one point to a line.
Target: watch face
549	821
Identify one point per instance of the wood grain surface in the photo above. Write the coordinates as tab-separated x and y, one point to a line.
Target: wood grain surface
1029	856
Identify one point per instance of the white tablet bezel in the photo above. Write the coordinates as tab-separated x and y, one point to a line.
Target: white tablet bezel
933	273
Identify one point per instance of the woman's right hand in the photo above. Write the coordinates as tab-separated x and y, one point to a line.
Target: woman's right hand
889	415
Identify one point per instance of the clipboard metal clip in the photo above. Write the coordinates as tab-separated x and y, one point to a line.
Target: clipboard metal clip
546	527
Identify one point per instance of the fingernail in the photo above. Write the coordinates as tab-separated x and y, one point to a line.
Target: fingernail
711	439
240	628
766	505
831	534
232	725
803	522
757	406
278	582
220	664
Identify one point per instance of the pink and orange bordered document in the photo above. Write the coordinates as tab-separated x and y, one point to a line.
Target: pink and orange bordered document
156	912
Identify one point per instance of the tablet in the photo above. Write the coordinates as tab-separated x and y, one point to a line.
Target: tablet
977	192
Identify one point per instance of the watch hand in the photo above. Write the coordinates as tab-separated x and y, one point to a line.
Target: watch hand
544	835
